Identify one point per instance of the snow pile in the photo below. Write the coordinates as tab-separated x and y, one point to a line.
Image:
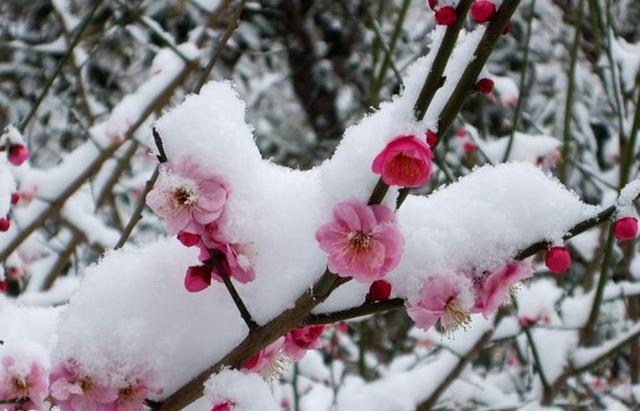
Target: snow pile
133	312
243	392
483	220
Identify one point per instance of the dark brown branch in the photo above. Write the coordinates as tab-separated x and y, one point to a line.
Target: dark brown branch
350	313
226	279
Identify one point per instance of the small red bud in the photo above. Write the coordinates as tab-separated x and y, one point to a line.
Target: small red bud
380	290
197	278
508	28
626	228
18	154
4	224
558	260
484	85
15	198
470	147
483	11
433	4
3	286
446	15
432	139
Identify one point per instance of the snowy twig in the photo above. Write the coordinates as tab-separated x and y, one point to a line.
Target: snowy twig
387	61
435	77
226	279
220	46
523	81
350	313
61	63
568	108
481	54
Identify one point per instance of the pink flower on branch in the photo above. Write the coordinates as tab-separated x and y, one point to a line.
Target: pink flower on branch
30	387
186	195
132	396
494	289
442	299
73	391
404	162
298	341
363	242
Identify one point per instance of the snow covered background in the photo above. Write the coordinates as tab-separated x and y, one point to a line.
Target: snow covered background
301	98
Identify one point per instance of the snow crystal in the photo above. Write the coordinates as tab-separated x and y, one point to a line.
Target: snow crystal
247	392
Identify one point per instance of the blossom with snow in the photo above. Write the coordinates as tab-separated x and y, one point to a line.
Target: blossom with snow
73	390
493	290
443	299
404	162
131	397
363	242
265	359
186	194
27	385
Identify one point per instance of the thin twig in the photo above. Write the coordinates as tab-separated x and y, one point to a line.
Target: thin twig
523	81
233	24
45	90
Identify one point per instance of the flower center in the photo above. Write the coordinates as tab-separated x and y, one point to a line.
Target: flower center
458	315
360	242
20	384
184	196
85	383
404	166
126	393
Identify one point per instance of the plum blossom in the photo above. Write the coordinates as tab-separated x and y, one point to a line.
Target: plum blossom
267	361
185	194
30	387
444	299
494	289
72	390
132	396
298	341
363	242
18	154
404	162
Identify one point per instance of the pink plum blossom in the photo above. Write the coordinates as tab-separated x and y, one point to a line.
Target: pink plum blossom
363	242
232	257
298	341
72	390
494	289
31	386
131	397
404	162
186	194
223	406
441	299
265	358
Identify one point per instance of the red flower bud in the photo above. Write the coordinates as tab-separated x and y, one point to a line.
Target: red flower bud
626	228
15	197
380	290
4	224
433	4
432	139
18	154
483	10
484	85
188	239
558	260
446	15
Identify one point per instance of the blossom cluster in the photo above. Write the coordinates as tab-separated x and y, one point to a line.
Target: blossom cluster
192	203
